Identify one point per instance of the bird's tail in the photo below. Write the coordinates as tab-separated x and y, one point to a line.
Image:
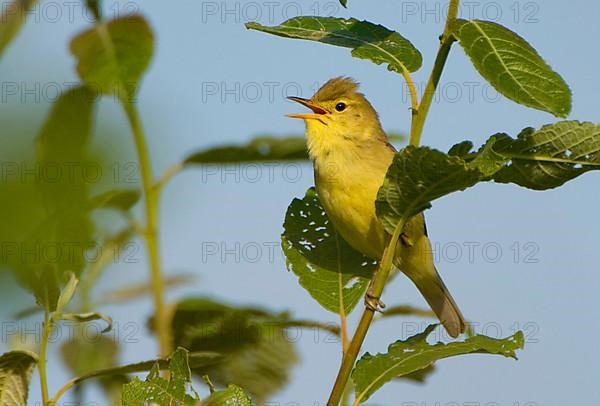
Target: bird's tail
416	262
441	302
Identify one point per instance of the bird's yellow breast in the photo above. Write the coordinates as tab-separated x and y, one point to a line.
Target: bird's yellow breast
347	178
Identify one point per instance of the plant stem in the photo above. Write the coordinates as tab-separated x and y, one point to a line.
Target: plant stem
446	41
46	330
344	331
414	98
150	234
168	175
378	283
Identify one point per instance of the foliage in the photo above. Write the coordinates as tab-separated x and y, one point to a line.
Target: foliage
158	390
333	273
16	368
245	350
415	354
513	66
257	354
367	40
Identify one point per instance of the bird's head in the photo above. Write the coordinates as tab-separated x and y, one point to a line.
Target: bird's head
339	110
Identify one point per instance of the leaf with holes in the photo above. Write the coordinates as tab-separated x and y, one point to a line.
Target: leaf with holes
332	272
419	175
158	390
415	353
549	157
368	41
512	66
16	368
232	396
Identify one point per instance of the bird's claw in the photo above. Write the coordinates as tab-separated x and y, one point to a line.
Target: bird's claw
374	303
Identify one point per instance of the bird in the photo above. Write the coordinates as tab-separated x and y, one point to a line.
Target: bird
351	154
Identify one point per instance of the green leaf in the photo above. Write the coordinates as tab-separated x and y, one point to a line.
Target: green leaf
158	390
549	157
64	228
367	40
257	355
86	317
195	360
513	66
419	175
343	3
232	396
16	368
123	199
67	292
414	354
260	149
12	19
94	6
112	56
83	356
332	272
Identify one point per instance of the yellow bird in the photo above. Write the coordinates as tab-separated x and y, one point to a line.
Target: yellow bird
351	155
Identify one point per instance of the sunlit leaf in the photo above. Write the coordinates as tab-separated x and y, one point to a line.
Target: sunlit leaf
549	157
112	56
414	354
232	396
513	66
16	368
333	273
158	390
367	40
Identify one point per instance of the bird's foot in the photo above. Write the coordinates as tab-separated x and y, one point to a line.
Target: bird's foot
374	303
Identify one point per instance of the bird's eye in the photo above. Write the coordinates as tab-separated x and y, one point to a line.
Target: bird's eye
340	106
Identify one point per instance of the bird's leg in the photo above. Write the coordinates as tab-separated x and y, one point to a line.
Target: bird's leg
372	301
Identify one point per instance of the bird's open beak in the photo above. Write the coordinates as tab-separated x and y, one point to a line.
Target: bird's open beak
318	111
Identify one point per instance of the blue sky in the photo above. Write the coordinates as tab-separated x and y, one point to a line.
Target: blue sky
534	261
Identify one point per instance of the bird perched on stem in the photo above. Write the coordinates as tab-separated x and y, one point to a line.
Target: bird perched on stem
351	155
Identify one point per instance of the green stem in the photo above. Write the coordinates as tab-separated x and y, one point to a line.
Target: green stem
378	283
46	330
446	41
150	234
